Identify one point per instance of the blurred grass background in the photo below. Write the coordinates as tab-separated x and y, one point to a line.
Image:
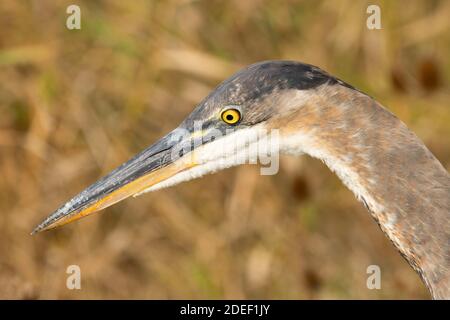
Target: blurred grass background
75	104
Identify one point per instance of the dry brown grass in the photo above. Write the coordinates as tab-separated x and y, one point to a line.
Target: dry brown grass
75	104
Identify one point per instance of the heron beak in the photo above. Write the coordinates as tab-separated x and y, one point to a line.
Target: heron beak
155	164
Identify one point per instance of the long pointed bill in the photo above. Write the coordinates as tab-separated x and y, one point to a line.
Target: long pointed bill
153	165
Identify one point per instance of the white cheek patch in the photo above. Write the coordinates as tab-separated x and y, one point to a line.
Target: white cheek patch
243	146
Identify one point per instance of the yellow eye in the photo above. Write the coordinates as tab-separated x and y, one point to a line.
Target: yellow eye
230	116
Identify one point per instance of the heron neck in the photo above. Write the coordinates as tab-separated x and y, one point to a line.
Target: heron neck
405	188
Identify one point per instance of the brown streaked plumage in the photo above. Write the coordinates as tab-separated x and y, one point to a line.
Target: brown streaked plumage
405	188
408	186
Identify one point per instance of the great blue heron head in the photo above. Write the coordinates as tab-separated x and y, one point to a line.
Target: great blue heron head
229	116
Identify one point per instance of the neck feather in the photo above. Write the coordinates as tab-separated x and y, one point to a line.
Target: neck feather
405	188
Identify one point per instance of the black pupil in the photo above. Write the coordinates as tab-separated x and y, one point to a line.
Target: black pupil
229	117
